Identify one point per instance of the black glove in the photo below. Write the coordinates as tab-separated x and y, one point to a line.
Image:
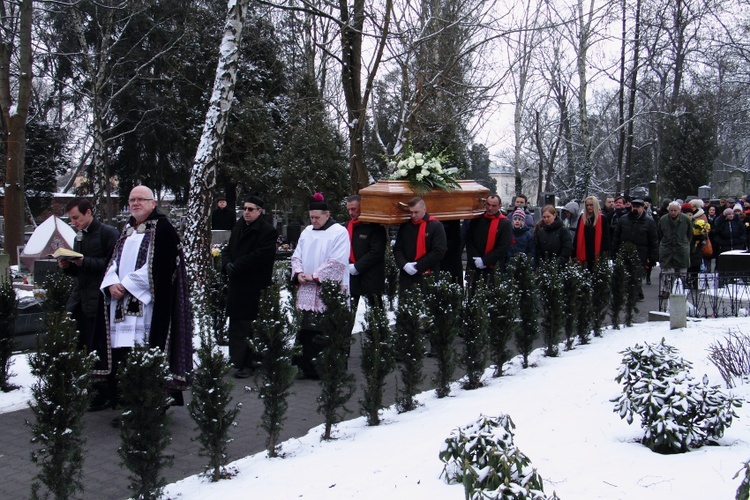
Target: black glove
229	269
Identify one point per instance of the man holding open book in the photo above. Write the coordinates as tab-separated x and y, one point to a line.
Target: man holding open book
93	243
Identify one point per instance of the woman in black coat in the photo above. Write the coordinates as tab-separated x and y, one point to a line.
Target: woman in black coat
552	239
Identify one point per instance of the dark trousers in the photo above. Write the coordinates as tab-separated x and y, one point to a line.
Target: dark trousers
241	353
308	341
85	327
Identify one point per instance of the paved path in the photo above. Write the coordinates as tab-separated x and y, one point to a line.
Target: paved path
105	479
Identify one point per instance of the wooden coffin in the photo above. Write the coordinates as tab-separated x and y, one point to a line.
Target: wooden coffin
386	202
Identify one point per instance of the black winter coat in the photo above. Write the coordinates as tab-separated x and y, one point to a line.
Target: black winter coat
251	251
728	234
223	219
642	233
476	242
96	245
553	241
405	249
368	242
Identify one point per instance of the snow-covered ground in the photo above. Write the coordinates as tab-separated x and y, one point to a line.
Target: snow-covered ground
564	424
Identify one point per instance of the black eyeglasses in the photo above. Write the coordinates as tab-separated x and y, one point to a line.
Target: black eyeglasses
250	209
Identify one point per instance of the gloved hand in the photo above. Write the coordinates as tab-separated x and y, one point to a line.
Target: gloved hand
229	268
479	263
353	270
410	268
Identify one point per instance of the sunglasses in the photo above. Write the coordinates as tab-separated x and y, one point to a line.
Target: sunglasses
250	209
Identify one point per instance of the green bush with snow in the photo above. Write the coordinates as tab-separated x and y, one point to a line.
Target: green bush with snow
677	412
483	457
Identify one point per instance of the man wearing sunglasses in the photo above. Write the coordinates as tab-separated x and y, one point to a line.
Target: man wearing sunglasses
248	262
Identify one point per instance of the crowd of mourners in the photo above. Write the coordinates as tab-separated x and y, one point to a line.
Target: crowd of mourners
131	287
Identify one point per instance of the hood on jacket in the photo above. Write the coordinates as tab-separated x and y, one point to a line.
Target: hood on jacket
573	208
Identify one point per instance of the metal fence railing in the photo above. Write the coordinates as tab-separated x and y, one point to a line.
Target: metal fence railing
709	295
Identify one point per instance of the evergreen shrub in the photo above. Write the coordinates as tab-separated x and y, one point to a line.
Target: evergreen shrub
550	293
502	312
61	395
632	283
210	403
677	412
601	291
337	385
144	423
410	348
618	289
377	361
443	300
483	457
274	334
8	316
523	277
475	323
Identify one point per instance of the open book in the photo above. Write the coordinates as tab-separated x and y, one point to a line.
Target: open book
65	253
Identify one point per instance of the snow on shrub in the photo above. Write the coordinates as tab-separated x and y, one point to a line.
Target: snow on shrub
677	412
483	457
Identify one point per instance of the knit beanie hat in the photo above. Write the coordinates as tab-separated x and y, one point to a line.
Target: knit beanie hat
518	213
687	207
728	211
737	207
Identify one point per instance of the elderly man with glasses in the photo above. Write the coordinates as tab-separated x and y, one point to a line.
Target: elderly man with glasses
146	296
248	262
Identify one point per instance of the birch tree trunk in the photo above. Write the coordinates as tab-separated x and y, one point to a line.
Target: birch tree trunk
203	175
15	49
585	169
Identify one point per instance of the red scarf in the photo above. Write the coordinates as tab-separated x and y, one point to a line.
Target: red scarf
581	239
492	234
350	228
421	239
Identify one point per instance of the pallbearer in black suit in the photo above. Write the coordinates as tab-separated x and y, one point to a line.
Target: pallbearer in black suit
367	256
488	241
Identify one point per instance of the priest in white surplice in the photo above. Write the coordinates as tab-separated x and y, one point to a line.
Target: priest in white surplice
322	254
146	295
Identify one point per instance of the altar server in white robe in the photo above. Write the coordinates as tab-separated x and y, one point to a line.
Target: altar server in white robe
322	254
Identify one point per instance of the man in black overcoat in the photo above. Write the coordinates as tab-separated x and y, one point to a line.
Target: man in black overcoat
248	262
367	256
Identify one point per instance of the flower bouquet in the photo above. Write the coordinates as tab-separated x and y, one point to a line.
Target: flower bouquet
424	172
